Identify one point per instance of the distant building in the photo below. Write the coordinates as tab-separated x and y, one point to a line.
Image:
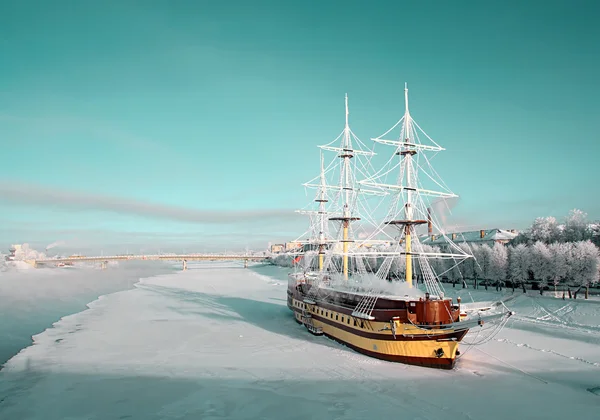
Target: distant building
483	236
277	248
289	246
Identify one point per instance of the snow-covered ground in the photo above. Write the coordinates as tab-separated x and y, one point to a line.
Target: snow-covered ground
215	343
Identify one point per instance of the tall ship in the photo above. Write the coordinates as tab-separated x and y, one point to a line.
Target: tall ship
362	276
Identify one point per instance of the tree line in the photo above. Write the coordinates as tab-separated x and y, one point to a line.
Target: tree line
546	254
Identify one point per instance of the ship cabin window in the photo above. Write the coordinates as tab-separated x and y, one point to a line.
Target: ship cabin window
348	321
336	317
355	322
362	324
342	319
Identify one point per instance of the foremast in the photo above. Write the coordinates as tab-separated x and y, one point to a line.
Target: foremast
318	231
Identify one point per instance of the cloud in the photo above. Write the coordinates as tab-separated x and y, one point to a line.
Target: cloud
36	195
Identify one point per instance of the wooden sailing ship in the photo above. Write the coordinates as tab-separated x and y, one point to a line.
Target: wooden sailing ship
338	289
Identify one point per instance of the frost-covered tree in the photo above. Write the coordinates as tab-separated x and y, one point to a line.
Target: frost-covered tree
372	264
560	253
521	238
576	227
519	265
483	254
453	271
26	253
595	233
437	264
584	264
498	266
541	264
467	268
544	229
398	267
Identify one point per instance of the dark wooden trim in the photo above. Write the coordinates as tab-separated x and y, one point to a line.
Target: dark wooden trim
407	152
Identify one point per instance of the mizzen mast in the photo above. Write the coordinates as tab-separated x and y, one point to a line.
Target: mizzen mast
322	200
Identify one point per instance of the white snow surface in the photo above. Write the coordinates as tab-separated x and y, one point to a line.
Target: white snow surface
221	343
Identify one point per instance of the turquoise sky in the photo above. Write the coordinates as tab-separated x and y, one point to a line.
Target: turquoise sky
193	123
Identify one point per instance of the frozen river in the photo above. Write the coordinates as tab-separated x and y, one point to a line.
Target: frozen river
216	343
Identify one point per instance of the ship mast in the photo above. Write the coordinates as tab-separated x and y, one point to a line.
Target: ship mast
322	199
346	154
341	210
346	222
408	210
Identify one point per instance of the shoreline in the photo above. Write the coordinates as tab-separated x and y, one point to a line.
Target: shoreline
44	313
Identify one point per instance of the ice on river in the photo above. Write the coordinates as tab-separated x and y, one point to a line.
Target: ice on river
215	343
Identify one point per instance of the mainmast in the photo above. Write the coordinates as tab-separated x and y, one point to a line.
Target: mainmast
406	150
407	146
408	154
342	208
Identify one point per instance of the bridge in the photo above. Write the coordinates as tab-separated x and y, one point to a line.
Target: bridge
184	258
